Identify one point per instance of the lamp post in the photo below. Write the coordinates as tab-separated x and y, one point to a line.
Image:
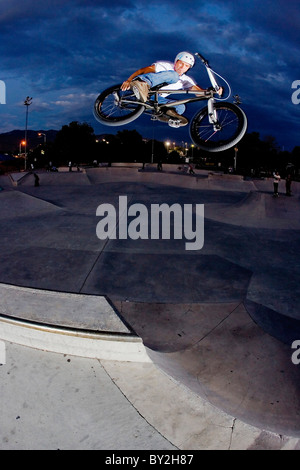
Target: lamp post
20	147
235	157
27	103
192	151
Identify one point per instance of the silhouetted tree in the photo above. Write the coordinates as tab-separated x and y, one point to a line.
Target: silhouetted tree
131	146
76	143
156	150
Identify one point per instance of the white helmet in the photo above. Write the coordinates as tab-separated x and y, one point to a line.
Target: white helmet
185	57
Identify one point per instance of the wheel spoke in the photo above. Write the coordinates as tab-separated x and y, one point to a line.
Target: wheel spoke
115	107
232	122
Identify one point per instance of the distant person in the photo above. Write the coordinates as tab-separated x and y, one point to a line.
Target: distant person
70	166
36	180
288	184
276	180
191	169
159	165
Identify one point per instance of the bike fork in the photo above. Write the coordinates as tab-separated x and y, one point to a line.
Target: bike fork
212	114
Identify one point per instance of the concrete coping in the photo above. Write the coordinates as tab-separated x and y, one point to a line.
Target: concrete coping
39	319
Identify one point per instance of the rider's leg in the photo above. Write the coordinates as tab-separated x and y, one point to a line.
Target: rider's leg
142	83
154	79
180	108
174	112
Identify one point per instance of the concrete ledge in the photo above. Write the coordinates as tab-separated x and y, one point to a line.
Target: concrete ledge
225	176
76	324
61	309
16	178
79	343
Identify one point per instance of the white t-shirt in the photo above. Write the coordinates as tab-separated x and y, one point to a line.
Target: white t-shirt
184	81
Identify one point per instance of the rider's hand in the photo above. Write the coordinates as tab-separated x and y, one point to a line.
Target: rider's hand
125	85
219	92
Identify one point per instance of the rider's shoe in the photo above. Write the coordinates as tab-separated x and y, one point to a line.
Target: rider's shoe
163	118
140	89
183	121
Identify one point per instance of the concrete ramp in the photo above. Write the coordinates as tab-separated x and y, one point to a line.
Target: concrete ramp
283	327
18	204
228	182
259	210
172	175
217	321
5	182
136	175
217	351
56	178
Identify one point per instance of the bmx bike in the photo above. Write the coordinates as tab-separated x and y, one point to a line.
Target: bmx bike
217	127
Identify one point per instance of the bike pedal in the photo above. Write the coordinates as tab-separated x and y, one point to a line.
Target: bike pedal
174	123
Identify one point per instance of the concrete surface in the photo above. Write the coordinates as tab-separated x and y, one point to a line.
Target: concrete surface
216	325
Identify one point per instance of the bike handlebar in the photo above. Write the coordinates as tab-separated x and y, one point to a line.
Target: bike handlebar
211	73
205	61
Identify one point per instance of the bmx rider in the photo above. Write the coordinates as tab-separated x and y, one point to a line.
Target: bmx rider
173	75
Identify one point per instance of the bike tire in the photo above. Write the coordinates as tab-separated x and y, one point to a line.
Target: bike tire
111	110
233	123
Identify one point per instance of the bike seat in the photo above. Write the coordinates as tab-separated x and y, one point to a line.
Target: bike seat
158	87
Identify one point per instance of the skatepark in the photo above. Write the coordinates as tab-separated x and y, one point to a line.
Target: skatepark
124	344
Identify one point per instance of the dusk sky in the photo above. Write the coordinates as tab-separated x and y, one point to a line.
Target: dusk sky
64	53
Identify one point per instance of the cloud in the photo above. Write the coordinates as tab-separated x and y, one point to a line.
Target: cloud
59	49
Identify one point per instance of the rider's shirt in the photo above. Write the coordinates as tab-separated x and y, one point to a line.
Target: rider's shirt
184	81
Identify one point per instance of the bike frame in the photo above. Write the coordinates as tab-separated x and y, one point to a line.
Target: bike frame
200	95
215	127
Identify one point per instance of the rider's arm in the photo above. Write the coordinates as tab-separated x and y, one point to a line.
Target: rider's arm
198	88
126	84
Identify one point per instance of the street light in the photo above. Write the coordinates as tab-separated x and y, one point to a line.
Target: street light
40	135
27	103
20	146
192	151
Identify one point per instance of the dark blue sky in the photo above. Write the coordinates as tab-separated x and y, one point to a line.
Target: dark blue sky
63	53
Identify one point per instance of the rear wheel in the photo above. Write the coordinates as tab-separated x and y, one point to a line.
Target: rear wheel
115	107
232	123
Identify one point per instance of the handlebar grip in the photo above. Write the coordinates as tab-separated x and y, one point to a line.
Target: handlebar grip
201	58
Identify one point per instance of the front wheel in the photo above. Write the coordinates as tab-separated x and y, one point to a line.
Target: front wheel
231	127
115	107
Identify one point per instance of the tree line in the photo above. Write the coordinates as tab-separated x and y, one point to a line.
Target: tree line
77	143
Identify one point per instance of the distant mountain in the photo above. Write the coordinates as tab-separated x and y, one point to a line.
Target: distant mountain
10	141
